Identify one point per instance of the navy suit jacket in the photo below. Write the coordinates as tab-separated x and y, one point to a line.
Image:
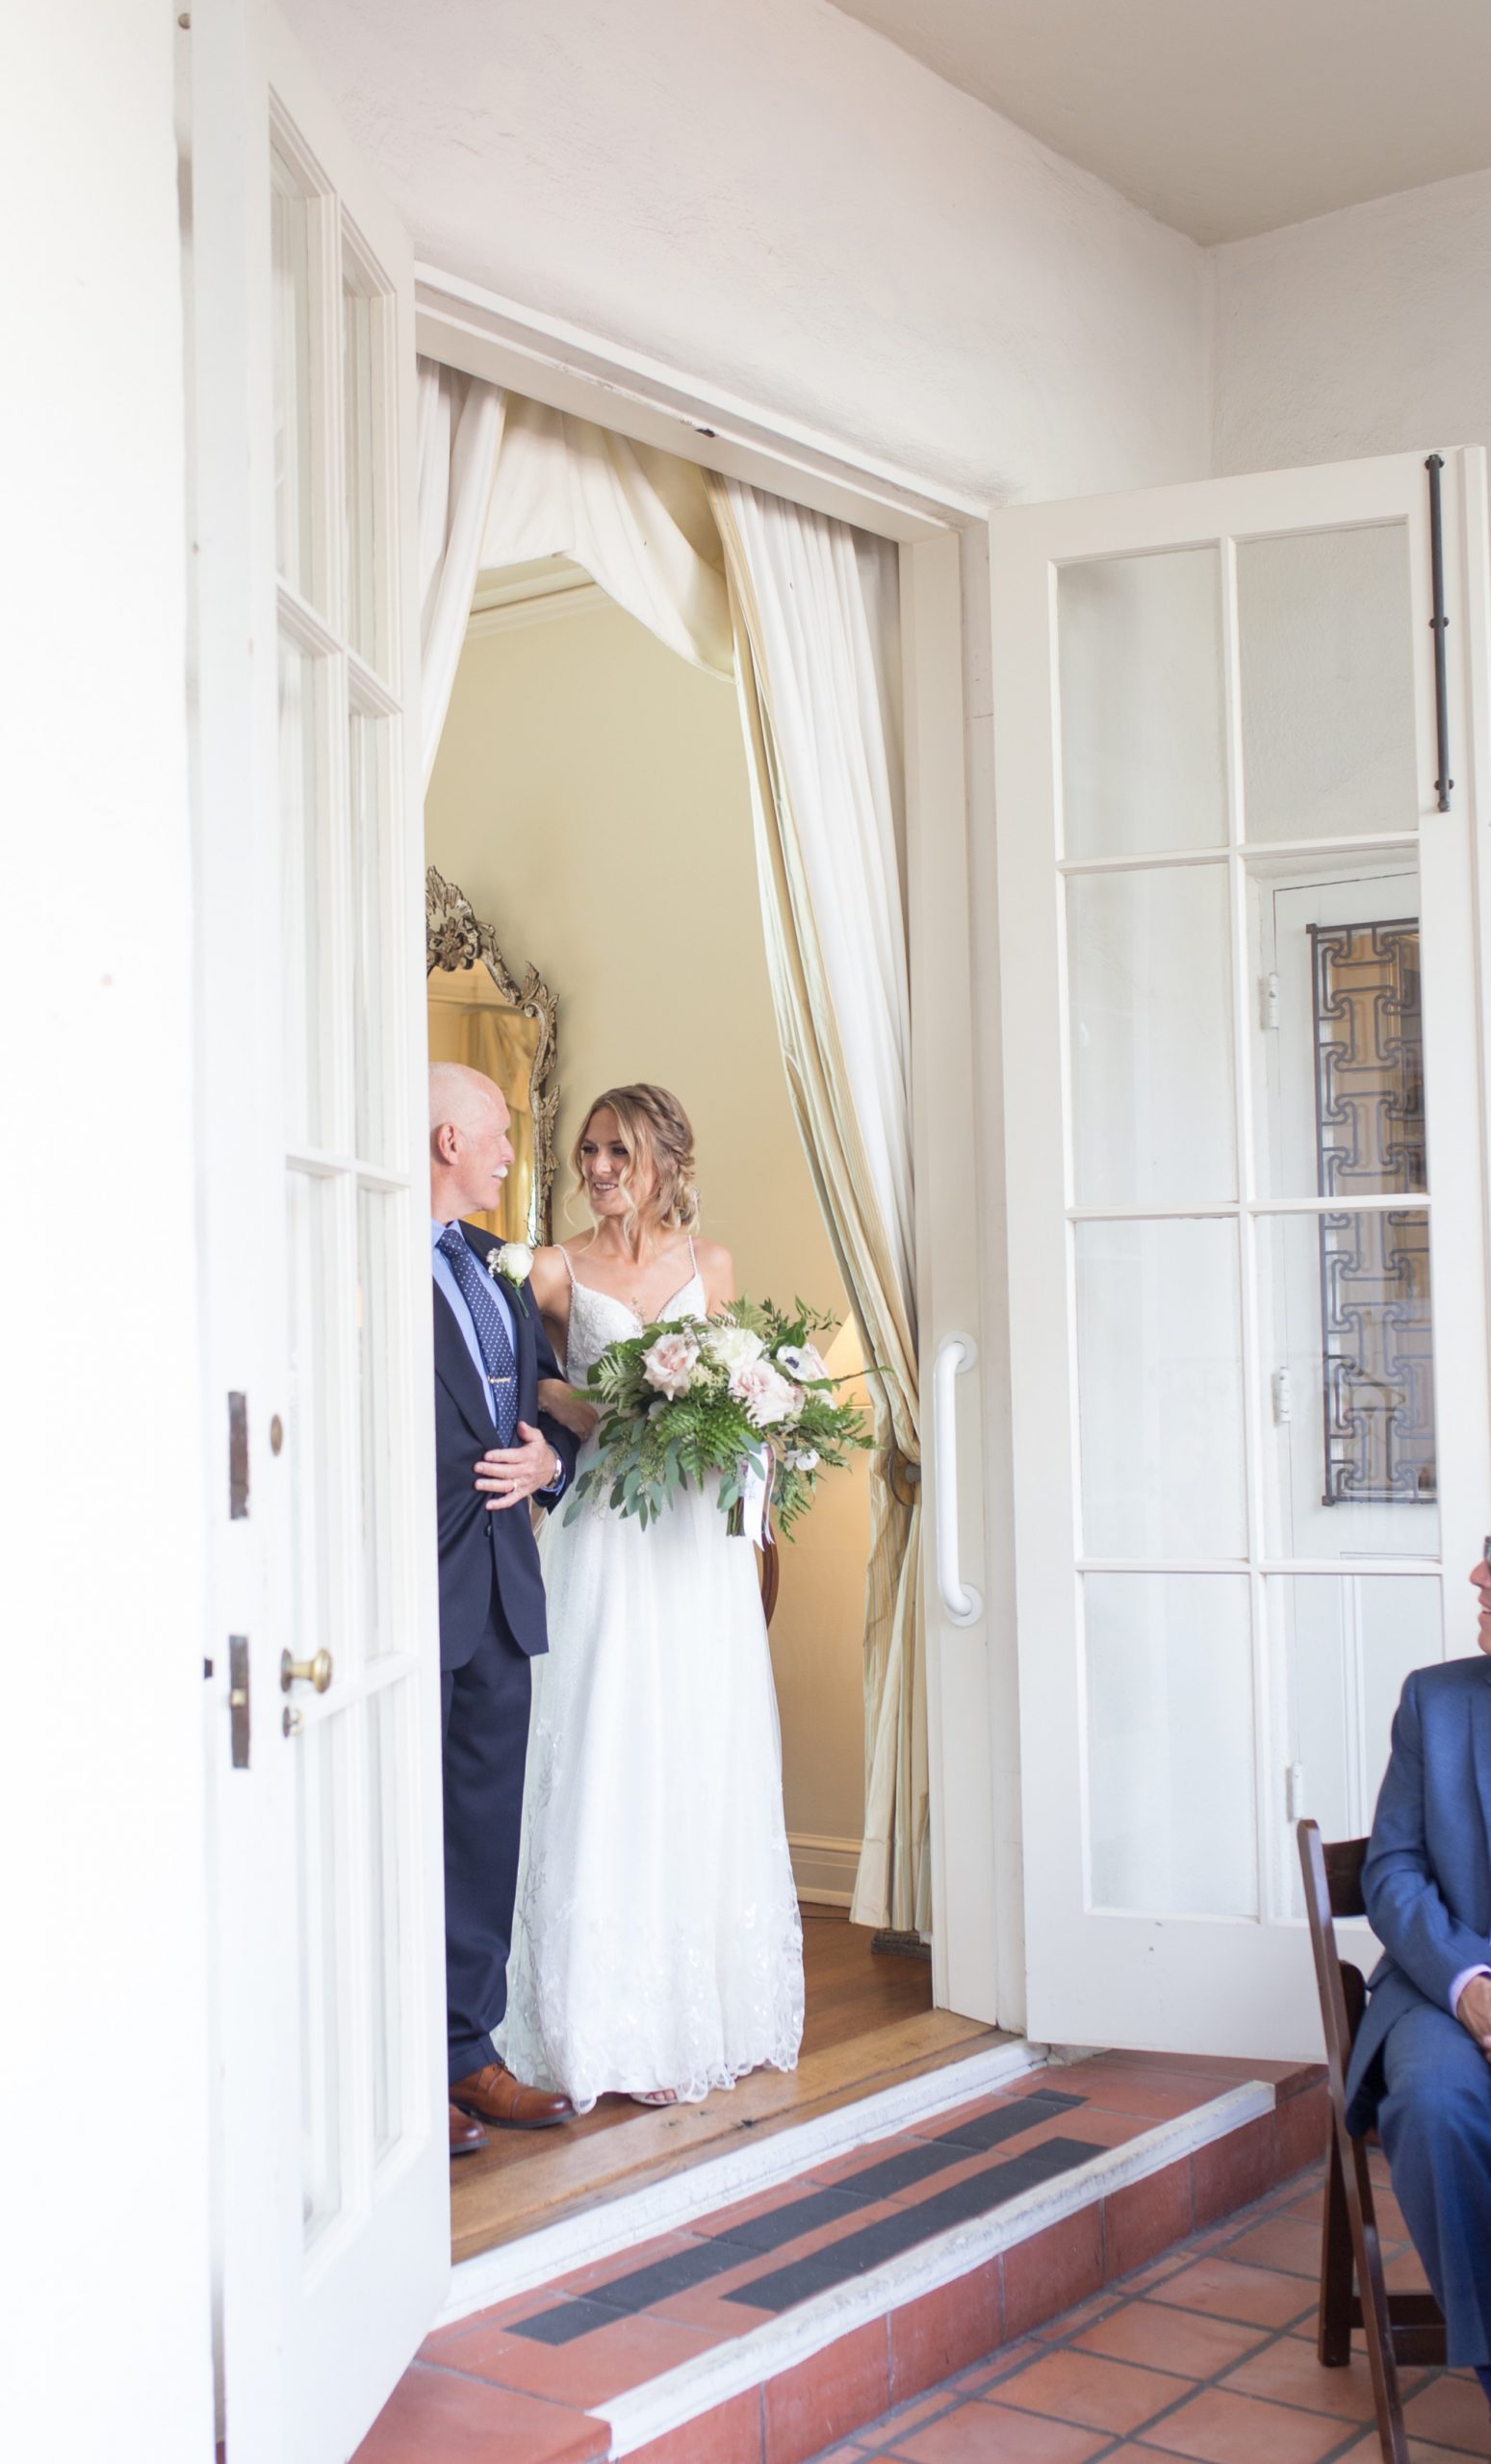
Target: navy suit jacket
487	1560
1426	1881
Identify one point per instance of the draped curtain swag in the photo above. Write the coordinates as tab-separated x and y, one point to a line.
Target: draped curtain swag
804	612
815	611
638	520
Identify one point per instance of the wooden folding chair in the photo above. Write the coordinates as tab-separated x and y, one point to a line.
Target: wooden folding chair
1396	2327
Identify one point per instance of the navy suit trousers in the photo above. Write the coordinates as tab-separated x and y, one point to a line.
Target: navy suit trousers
484	1717
1435	2125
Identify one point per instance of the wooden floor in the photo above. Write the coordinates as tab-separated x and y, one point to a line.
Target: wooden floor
869	2023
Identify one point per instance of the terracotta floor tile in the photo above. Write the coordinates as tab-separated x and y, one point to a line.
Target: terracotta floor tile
1067	2325
1186	2342
1145	2219
585	2373
461	2421
1222	2428
835	2170
1290	2243
1369	2451
982	2434
1451	2410
1224	2289
1157	2094
728	2434
1056	2267
1084	2387
826	2396
1287	2373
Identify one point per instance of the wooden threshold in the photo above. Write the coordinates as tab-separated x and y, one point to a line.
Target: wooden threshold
869	2024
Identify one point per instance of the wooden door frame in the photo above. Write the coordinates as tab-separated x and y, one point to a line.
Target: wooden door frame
972	1709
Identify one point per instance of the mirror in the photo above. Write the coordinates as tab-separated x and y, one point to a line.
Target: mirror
480	1013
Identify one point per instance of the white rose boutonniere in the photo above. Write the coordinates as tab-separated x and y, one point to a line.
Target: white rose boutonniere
512	1263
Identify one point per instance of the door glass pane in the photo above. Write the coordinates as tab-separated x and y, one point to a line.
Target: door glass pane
377	1329
1337	1048
303	872
1151	1037
362	328
1171	1822
376	1005
321	2076
1344	1644
1325	639
1346	1335
291	234
385	1912
1142	762
1160	1390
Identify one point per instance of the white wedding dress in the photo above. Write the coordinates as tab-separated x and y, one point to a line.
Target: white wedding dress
656	1942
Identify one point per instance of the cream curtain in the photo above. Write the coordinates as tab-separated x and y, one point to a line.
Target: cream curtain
815	608
638	520
460	427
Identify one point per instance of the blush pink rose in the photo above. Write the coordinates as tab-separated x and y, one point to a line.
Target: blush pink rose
765	1393
669	1364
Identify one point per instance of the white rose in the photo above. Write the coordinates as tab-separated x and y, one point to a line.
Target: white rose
804	1361
733	1346
802	1458
513	1261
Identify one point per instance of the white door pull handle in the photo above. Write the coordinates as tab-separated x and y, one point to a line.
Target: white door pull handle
961	1602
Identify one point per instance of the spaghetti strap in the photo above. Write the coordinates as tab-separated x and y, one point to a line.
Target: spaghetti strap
567	1269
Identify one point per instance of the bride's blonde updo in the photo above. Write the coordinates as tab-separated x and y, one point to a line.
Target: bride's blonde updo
654	1127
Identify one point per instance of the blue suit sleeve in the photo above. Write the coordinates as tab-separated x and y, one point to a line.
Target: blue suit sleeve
565	1443
1403	1903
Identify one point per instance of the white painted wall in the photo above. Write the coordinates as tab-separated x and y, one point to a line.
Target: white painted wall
1362	332
774	198
105	2079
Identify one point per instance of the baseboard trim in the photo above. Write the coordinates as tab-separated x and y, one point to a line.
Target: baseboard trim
824	1868
759	2163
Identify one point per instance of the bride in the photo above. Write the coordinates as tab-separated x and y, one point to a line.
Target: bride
656	1945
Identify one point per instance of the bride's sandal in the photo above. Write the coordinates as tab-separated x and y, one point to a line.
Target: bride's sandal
655	2097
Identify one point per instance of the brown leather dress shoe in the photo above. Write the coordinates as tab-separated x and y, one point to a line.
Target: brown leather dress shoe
465	2135
495	2096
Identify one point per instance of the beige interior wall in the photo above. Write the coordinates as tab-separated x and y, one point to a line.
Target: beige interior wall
590	799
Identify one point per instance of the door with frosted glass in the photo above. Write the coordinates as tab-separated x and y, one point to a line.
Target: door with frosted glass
334	2169
1239	957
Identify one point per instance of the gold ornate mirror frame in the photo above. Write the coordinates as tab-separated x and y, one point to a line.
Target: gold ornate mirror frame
454	939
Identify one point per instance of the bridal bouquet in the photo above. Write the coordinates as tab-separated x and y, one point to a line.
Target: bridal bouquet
745	1395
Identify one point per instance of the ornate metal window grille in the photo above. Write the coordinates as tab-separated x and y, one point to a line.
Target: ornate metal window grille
1374	1287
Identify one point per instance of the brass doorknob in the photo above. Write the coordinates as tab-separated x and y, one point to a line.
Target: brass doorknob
315	1672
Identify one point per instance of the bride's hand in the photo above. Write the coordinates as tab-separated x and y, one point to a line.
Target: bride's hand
567	1405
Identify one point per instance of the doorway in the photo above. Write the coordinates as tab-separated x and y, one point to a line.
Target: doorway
590	802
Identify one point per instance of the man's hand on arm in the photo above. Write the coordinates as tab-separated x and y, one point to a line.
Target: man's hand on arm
1473	2009
510	1475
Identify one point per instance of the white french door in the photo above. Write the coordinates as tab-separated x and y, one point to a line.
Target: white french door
1242	951
334	2204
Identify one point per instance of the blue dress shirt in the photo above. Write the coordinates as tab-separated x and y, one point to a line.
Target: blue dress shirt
445	1277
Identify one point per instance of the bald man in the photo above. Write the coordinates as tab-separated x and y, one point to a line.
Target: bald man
494	1451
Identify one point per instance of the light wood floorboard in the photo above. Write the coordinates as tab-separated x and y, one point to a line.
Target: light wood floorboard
869	2023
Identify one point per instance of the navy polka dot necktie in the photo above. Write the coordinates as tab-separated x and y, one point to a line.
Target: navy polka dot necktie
475	1286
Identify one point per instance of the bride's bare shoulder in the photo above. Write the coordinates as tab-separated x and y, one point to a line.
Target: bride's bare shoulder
549	1271
717	1269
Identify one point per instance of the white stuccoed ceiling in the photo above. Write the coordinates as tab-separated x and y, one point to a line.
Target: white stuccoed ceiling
1223	118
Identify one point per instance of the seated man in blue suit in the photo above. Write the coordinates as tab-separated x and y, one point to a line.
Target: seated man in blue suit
1421	2066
